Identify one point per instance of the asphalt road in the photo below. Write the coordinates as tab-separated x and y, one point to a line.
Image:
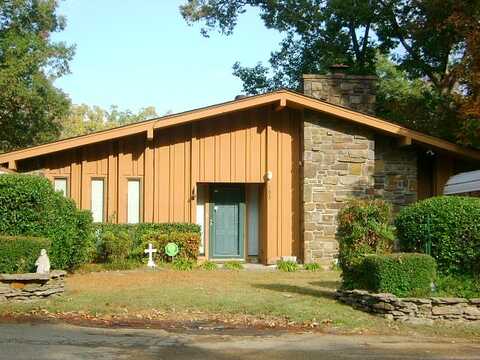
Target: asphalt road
58	341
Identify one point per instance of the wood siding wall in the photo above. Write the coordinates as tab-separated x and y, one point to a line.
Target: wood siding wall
236	148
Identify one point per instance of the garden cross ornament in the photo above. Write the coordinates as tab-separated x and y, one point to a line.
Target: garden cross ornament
150	251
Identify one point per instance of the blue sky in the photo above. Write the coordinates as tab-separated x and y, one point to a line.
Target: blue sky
138	53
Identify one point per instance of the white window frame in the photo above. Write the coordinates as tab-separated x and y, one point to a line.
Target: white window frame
140	197
92	180
201	211
67	184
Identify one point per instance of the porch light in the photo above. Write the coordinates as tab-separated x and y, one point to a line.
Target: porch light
268	175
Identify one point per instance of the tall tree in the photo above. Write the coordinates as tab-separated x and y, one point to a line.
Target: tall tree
30	61
426	39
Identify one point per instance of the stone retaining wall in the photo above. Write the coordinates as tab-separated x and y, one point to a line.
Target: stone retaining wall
412	309
31	286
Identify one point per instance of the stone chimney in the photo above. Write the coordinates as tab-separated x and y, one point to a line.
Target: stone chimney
356	92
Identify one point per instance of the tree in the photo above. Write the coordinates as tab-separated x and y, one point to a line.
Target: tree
430	40
413	102
30	105
83	119
318	34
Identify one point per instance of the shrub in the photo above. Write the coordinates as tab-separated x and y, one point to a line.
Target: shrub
451	225
208	265
116	247
401	274
363	228
188	244
29	206
287	266
183	264
18	254
312	267
159	234
458	286
233	265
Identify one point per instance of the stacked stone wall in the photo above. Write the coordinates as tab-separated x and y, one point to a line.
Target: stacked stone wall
412	309
31	286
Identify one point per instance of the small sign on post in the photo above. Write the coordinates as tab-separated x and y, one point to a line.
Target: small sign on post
171	249
150	251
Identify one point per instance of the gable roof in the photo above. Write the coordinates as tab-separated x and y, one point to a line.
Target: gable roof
282	98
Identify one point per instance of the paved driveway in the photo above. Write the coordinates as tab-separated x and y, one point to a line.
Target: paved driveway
67	342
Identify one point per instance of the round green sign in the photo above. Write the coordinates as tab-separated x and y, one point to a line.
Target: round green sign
171	249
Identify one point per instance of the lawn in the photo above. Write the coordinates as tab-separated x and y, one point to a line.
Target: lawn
276	297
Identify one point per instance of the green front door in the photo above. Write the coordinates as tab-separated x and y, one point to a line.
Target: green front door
227	221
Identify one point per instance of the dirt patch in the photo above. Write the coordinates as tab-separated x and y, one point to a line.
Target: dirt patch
206	326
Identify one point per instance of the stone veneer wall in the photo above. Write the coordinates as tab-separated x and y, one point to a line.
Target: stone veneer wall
339	162
412	309
343	161
395	175
357	92
31	286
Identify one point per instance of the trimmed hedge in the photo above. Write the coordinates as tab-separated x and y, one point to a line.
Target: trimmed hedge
137	236
401	274
29	206
363	228
451	224
18	254
188	244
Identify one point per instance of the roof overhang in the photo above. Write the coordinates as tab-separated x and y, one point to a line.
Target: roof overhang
280	99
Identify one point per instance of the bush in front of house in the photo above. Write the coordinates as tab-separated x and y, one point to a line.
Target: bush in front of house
136	237
208	266
402	274
462	286
312	267
29	206
188	244
451	224
363	228
183	264
287	266
19	253
116	247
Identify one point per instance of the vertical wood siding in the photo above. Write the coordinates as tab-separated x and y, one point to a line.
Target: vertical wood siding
236	148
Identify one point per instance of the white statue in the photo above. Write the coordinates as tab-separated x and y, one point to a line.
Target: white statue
43	263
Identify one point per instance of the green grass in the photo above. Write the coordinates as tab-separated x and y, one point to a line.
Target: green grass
300	297
233	265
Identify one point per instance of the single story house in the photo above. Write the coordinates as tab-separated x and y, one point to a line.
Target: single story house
263	175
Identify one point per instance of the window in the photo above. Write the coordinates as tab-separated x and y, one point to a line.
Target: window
133	201
98	200
201	194
61	184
